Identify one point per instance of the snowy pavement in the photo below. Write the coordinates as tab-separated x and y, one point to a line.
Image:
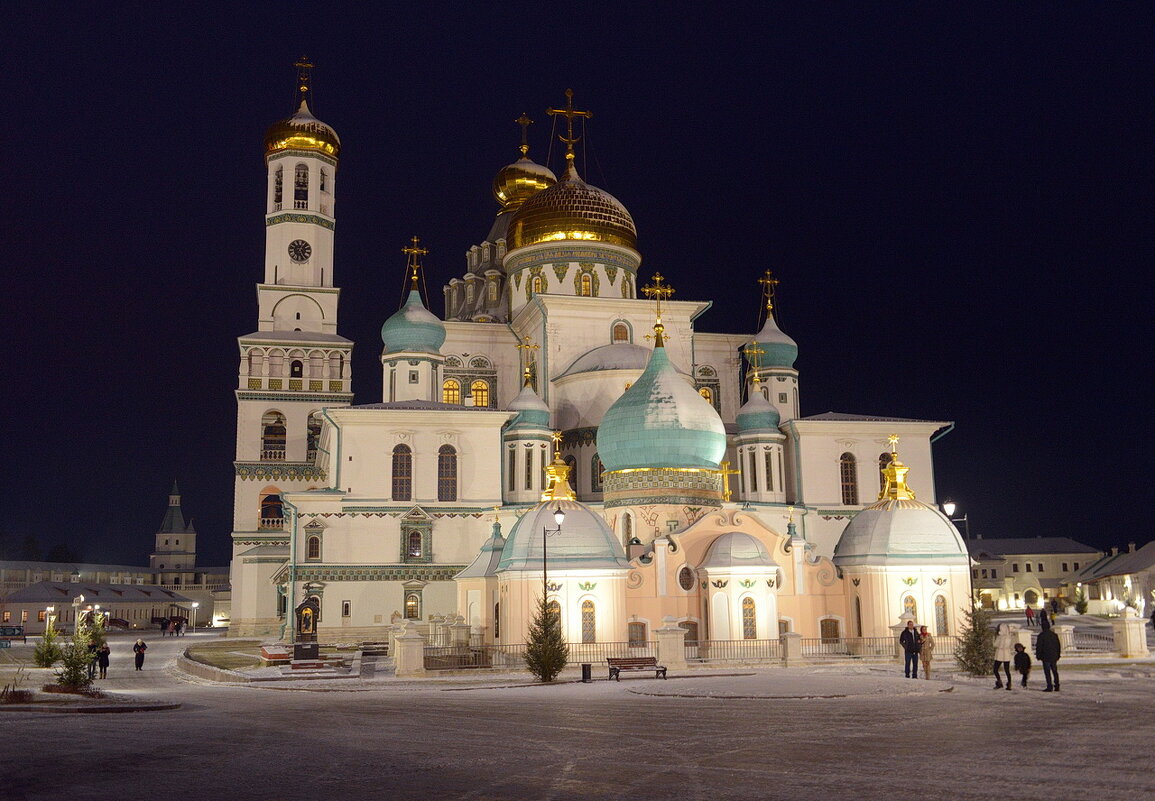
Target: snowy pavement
822	732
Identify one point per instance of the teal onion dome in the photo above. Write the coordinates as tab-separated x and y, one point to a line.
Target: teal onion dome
661	421
584	542
413	328
757	413
531	409
779	350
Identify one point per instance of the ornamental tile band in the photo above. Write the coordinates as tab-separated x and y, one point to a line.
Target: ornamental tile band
300	218
377	572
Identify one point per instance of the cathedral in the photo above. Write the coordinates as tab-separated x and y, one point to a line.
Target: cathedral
566	430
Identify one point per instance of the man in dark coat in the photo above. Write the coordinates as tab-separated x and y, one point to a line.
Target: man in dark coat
1048	649
911	645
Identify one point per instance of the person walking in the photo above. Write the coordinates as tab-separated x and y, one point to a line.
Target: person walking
1048	649
139	648
926	652
1022	662
93	654
911	644
1031	615
102	660
1004	653
164	627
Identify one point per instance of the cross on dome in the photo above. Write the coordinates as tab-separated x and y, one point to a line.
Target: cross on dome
526	348
768	282
569	113
524	122
753	351
659	292
414	251
304	73
894	487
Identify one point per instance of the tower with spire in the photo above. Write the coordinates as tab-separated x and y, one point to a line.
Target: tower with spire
175	547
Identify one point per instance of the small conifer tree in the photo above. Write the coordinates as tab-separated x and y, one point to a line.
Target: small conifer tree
976	650
74	660
47	651
546	653
1081	601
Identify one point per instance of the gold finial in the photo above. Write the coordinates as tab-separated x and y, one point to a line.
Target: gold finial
304	73
526	348
557	486
496	513
569	113
768	282
524	122
659	292
790	512
894	474
752	352
414	251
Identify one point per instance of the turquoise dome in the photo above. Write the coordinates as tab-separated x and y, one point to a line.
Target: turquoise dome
661	421
758	413
780	350
531	409
413	328
585	542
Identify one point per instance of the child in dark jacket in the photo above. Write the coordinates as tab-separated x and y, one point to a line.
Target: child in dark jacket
1022	662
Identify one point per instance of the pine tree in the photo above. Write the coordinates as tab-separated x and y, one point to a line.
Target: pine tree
546	653
74	660
47	651
976	651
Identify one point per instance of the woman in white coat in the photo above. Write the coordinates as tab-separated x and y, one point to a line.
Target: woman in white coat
1004	653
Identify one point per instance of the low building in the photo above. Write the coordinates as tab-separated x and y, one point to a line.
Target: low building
1120	579
63	602
1016	572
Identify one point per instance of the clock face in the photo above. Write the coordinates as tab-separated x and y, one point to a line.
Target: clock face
300	250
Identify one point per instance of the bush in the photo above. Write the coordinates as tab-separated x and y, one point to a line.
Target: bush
546	653
47	651
976	651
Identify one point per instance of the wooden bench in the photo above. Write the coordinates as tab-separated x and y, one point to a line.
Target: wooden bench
618	664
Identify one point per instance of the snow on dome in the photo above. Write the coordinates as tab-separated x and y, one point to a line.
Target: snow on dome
778	350
302	131
738	549
900	532
618	356
757	413
585	541
413	328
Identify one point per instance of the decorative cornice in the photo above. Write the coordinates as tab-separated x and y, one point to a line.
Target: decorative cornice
377	572
302	471
311	397
298	152
297	289
312	219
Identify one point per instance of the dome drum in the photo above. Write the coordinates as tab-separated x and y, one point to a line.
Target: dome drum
662	485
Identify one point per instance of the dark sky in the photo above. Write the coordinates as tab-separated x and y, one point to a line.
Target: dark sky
957	207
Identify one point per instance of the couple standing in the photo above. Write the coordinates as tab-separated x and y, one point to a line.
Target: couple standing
917	643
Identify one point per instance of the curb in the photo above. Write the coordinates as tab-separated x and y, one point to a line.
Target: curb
91	710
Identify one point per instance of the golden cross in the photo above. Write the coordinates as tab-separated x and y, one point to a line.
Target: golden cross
569	113
893	440
526	354
752	352
303	66
726	472
414	252
557	437
524	122
658	291
768	282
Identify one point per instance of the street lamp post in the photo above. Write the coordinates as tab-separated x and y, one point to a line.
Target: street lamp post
559	517
949	507
194	616
76	602
48	614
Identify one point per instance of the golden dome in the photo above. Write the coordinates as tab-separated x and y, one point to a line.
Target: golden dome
302	131
572	210
516	182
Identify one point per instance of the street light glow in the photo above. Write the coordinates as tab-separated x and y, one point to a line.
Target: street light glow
949	507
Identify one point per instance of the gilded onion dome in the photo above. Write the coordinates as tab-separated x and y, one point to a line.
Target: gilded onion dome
302	131
517	182
571	209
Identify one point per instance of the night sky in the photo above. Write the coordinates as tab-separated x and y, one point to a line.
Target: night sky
957	207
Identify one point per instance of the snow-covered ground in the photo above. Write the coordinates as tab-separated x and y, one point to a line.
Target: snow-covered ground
825	733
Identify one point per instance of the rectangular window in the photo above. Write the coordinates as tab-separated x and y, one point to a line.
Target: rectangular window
414	377
782	397
974	573
512	470
994	573
1065	569
984	574
40	615
1040	567
1076	565
1028	567
769	470
753	471
637	635
529	468
1015	567
24	616
346	608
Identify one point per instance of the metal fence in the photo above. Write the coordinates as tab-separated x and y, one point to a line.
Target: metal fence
849	647
734	650
1093	641
458	657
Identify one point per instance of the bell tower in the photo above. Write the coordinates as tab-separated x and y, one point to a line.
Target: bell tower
295	363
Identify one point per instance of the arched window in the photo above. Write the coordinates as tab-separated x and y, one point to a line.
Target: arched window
749	619
497	621
940	623
296	368
446	473
480	391
586	285
412	606
313	549
469	292
278	188
636	635
621	332
848	469
589	622
324	180
272	511
752	460
402	473
553	609
769	459
301	187
596	473
413	545
529	468
273	437
706	393
858	614
537	285
491	291
828	630
910	606
313	434
573	472
451	391
883	463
